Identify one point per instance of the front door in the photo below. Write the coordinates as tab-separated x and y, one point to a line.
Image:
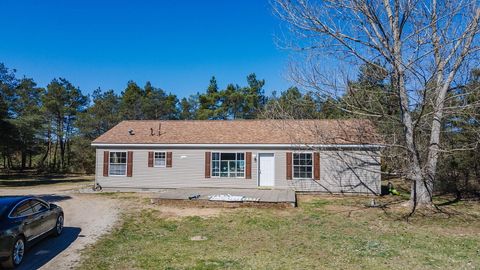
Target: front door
266	169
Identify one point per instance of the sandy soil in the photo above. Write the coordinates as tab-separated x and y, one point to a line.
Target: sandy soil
87	217
172	212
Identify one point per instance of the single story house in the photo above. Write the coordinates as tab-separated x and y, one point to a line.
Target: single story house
337	156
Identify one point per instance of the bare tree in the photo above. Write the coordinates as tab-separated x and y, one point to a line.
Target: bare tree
425	48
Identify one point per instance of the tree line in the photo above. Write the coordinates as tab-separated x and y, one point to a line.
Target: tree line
50	129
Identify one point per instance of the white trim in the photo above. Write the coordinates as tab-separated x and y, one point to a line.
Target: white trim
110	164
258	168
293	166
220	155
159	166
237	145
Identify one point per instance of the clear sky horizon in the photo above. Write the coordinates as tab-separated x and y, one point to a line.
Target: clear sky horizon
176	45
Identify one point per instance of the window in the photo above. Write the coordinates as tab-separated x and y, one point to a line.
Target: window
229	165
302	165
118	163
39	206
159	160
23	209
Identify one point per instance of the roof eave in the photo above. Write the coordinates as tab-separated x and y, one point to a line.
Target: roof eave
240	145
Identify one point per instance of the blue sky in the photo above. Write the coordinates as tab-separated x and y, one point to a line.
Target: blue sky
177	45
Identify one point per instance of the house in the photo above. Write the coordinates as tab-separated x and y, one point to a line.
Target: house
337	156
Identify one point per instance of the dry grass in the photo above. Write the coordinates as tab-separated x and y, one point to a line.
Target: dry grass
322	233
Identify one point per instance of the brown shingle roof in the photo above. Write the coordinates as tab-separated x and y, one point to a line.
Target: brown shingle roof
351	131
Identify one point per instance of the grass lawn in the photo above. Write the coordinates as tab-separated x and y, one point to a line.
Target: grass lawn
322	233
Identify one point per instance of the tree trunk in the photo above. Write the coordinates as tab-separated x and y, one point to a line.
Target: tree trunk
9	161
49	143
24	159
55	156
421	193
62	154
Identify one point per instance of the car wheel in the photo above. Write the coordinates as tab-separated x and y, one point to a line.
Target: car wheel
16	254
59	225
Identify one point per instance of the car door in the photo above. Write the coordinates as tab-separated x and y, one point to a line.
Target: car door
23	213
41	210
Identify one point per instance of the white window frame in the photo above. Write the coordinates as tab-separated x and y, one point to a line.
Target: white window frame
220	161
293	165
110	163
154	158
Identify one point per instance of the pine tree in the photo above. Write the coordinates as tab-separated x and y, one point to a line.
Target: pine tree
132	102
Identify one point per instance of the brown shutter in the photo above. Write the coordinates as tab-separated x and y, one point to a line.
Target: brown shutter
248	165
106	161
316	166
207	164
289	165
129	163
169	159
150	159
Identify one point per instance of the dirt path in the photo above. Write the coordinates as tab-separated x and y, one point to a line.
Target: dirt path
87	217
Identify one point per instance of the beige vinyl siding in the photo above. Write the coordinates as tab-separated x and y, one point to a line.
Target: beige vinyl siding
340	171
187	171
345	172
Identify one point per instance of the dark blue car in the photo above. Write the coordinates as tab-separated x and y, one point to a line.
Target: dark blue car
23	221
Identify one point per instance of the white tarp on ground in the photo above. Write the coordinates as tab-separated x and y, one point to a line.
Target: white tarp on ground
231	198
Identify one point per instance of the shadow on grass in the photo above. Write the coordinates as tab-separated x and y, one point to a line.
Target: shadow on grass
31	174
36	182
450	202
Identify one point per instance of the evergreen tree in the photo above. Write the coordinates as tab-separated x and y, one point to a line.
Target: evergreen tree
8	138
98	118
212	87
189	107
132	102
254	97
209	103
293	104
28	119
101	115
159	105
62	103
232	100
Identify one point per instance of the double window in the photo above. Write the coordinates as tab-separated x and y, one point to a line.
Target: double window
118	163
230	165
159	159
302	165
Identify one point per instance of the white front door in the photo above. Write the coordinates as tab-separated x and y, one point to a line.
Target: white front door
266	169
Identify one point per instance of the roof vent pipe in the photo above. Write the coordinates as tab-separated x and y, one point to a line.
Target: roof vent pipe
131	132
159	129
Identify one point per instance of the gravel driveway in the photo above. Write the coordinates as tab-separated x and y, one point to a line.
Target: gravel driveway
87	217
